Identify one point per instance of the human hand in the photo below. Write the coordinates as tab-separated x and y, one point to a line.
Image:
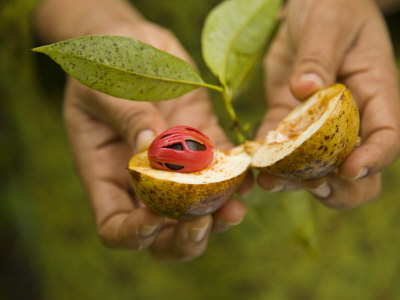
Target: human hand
104	132
319	43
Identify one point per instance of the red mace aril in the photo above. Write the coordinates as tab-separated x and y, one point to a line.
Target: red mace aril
181	149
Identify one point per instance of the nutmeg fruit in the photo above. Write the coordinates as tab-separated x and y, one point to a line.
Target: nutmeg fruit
311	141
314	138
188	195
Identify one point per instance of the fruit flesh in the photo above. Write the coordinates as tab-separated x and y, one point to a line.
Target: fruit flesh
293	128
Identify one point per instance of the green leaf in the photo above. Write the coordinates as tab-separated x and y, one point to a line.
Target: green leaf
124	67
234	36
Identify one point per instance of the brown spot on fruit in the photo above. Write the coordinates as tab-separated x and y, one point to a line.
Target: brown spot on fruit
135	176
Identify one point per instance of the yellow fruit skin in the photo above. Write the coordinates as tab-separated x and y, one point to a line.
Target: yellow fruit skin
183	201
326	149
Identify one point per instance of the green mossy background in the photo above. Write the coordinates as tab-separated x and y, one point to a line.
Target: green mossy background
288	246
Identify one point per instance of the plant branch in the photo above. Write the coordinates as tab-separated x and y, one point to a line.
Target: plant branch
227	97
212	87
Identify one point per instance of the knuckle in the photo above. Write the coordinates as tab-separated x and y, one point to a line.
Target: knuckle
105	239
112	235
119	242
107	233
368	190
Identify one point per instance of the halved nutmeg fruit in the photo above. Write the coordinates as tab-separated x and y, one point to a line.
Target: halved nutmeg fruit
187	195
313	139
182	176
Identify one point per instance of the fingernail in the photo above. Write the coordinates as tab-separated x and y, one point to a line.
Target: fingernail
312	77
147	230
271	185
362	173
322	191
358	141
277	188
198	234
223	225
144	139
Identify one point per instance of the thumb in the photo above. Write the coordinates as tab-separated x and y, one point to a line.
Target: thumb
136	122
321	46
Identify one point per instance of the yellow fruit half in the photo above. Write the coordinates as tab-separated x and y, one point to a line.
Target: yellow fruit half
187	195
313	139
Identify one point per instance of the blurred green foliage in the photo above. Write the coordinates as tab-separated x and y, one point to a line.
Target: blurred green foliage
288	246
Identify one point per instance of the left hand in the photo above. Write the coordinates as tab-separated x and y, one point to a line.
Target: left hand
104	132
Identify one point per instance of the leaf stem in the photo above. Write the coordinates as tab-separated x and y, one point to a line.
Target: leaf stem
227	97
212	87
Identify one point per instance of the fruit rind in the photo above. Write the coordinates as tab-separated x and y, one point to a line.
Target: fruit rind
183	201
327	148
179	200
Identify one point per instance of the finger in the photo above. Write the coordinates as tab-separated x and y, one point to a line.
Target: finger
277	68
182	241
342	194
107	186
101	157
272	183
136	122
135	229
372	78
101	162
231	214
246	186
378	149
321	45
319	187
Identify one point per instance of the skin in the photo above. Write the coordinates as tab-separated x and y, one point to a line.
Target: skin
104	133
351	45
